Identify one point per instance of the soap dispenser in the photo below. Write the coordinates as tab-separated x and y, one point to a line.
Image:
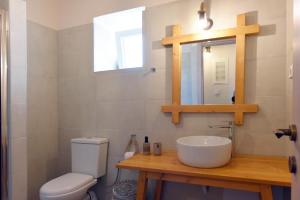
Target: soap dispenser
146	146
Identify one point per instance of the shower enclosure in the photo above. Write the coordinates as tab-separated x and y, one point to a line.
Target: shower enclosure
3	60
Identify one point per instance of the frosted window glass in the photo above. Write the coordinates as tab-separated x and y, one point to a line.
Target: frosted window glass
132	51
118	40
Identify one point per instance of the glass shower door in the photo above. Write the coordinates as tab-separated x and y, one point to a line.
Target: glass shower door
3	61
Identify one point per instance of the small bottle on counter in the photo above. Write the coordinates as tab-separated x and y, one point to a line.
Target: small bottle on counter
146	146
132	147
157	149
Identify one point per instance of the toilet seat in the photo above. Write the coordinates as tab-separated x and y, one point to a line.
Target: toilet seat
67	186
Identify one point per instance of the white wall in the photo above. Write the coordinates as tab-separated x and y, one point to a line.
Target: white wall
17	114
44	12
60	14
76	12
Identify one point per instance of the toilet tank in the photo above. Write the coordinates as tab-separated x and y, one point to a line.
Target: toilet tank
89	156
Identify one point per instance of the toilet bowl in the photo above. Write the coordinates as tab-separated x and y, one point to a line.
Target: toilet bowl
89	157
71	186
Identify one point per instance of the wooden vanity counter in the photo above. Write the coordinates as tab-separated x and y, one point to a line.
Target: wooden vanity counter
244	172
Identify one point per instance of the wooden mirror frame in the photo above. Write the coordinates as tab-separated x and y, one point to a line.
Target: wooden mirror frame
239	33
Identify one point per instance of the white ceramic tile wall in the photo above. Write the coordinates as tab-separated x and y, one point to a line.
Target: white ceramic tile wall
42	106
115	104
17	80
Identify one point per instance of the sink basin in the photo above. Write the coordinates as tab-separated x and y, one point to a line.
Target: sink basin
204	151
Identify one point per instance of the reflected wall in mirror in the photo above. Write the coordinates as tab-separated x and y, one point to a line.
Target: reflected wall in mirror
208	72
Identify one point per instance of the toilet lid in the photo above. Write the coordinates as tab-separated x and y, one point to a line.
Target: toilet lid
65	184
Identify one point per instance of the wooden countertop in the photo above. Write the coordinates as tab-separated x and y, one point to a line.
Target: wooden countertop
270	170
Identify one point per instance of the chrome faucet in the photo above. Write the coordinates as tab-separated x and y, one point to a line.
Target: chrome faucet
229	126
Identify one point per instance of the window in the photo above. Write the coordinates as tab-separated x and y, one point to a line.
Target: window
118	40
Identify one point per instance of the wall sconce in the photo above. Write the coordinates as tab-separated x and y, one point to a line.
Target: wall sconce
205	22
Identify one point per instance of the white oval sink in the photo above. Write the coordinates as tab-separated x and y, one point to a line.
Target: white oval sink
204	151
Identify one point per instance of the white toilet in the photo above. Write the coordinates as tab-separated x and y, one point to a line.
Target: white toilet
89	156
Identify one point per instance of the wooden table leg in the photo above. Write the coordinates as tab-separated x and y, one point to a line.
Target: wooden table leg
142	186
158	189
266	192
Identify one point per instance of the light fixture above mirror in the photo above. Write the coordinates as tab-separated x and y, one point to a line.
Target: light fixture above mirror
205	22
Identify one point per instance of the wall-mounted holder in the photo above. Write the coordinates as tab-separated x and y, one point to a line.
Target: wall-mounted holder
177	39
291	132
149	70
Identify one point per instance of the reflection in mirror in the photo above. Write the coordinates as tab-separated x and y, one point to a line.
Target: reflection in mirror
208	72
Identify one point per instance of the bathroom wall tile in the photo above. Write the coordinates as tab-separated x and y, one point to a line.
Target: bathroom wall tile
255	142
42	42
68	36
69	116
34	166
64	142
64	147
38	120
42	141
87	87
69	64
251	74
68	91
263	46
42	110
42	90
88	120
154	118
265	11
264	77
122	115
268	118
119	86
271	77
42	165
158	85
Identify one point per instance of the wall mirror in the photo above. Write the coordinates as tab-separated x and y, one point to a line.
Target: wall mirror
208	71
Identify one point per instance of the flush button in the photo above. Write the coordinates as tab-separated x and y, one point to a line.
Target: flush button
292	164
